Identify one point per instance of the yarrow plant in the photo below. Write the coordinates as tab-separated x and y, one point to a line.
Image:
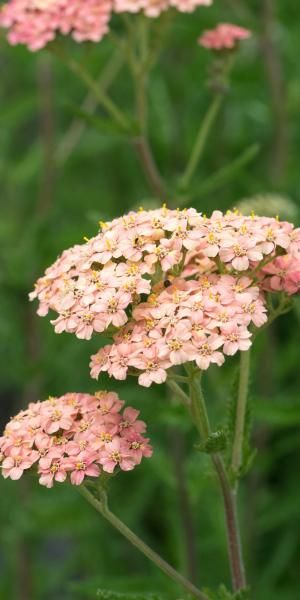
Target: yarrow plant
176	291
171	292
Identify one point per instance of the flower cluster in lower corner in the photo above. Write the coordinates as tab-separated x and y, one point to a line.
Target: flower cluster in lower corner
35	23
73	437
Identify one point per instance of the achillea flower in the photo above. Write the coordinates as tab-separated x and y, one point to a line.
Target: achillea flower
224	37
74	436
282	275
170	287
153	8
35	23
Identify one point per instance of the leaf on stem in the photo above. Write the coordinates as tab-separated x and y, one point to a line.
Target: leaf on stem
224	594
216	442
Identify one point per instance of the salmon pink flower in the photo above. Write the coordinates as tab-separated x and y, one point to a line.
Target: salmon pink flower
118	454
52	468
235	338
19	460
82	465
37	22
224	37
282	274
207	352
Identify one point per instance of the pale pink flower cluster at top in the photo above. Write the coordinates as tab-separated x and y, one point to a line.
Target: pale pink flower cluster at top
170	287
224	37
37	22
74	436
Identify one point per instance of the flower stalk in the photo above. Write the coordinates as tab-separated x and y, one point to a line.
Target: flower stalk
241	408
201	420
100	504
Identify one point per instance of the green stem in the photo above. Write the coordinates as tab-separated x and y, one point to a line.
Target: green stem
233	531
201	140
144	153
201	420
91	84
198	408
241	407
102	508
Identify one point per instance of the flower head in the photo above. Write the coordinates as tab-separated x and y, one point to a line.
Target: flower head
224	37
35	23
74	436
170	287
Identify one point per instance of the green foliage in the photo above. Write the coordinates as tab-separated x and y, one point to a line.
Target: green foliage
224	594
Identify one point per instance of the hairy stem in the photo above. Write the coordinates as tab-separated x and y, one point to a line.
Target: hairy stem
233	531
241	407
201	420
102	508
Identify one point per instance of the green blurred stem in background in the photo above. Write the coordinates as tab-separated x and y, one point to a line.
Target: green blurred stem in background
200	141
100	504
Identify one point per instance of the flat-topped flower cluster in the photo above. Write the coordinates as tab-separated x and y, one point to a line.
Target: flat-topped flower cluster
37	22
170	287
225	36
74	436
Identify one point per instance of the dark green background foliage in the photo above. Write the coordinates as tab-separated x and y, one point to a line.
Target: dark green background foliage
53	192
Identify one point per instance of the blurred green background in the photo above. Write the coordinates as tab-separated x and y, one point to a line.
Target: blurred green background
58	177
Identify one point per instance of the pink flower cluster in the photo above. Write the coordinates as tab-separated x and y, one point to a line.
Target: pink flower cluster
75	436
37	22
224	37
165	279
153	8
